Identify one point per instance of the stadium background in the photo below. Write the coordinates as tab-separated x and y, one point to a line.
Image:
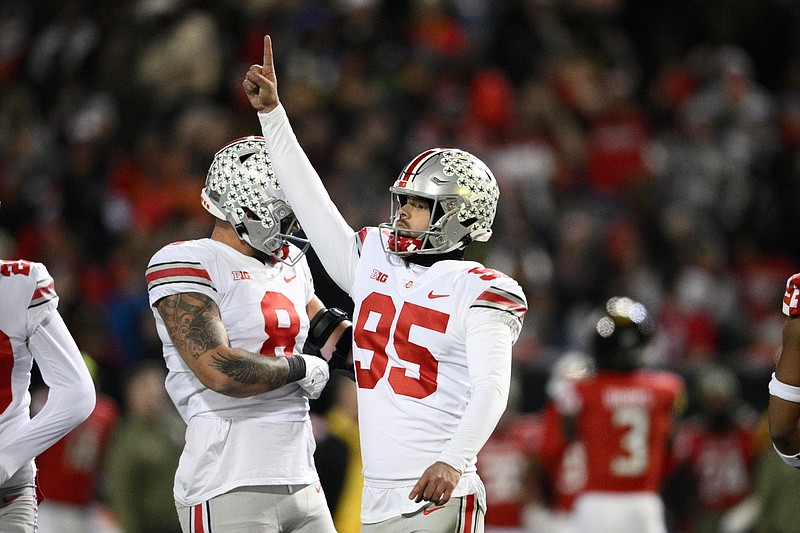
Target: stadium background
644	148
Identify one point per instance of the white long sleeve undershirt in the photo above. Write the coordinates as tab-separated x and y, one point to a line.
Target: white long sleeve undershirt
489	362
331	236
70	400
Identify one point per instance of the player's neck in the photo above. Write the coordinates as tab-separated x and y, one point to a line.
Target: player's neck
224	233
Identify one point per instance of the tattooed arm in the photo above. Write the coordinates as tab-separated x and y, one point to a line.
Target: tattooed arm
195	326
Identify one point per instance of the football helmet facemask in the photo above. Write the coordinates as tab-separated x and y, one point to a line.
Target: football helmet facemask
241	188
463	195
621	330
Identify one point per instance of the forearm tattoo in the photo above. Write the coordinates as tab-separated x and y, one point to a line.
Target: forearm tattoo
194	323
249	371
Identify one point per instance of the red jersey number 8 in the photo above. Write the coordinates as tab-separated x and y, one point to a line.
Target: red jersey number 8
376	341
281	323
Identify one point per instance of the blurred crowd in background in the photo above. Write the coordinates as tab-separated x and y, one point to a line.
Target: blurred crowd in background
642	147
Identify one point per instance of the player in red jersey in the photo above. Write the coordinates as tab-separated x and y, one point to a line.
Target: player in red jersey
562	462
784	388
505	466
70	471
624	416
720	446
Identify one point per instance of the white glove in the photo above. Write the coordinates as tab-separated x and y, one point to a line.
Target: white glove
317	375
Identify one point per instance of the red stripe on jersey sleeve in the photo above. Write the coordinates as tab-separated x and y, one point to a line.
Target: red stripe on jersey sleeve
173	272
493	297
41	292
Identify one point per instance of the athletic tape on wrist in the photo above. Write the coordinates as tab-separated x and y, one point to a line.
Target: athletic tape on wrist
781	390
791	460
297	368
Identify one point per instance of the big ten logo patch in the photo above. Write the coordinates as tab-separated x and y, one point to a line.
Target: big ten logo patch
377	275
240	274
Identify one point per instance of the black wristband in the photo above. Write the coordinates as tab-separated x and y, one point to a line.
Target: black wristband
297	368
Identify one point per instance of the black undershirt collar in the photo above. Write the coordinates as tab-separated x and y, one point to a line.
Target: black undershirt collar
427	260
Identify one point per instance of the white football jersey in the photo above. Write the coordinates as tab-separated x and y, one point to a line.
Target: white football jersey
263	308
28	296
411	324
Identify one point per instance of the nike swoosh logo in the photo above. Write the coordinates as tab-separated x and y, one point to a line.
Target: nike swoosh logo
287	280
429	510
9	499
434	296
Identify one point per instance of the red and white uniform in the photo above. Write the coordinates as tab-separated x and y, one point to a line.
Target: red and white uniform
504	464
564	461
263	308
31	328
432	345
625	422
69	472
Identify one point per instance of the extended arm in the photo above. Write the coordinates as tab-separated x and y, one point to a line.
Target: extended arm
334	241
195	326
70	400
489	359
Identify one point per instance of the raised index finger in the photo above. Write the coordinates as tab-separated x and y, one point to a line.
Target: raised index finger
267	65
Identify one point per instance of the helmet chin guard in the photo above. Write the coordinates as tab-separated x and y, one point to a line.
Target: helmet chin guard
463	194
241	188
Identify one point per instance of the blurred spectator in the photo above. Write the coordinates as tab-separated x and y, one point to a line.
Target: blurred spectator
143	455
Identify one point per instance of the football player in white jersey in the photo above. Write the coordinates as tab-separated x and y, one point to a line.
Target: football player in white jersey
31	328
433	333
233	314
784	387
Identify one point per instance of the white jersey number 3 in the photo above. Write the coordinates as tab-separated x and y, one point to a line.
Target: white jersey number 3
634	441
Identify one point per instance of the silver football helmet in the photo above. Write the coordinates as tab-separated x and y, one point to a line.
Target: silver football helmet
241	188
463	194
